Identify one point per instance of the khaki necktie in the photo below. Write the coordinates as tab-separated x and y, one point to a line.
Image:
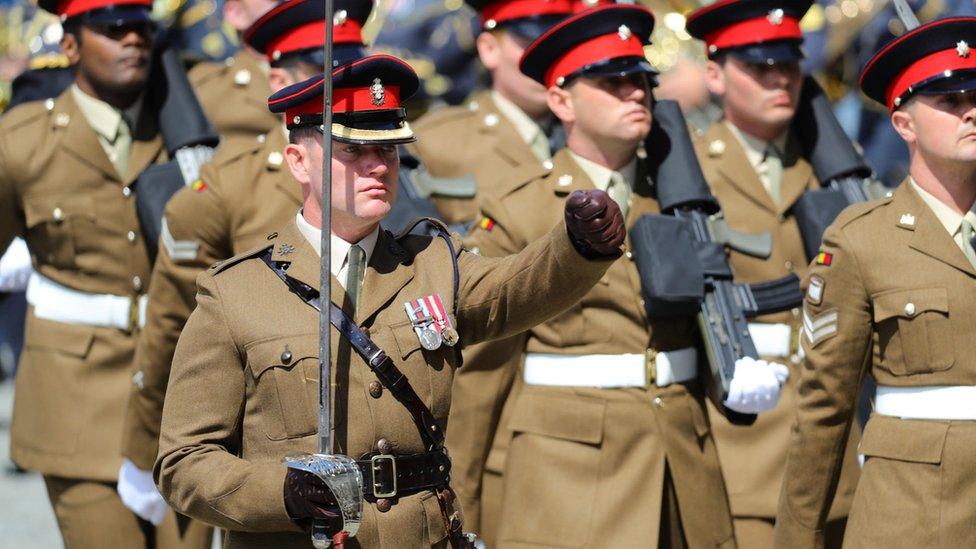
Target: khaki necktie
774	173
121	147
355	269
968	233
619	191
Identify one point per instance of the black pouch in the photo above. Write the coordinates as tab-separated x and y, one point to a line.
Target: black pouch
667	257
814	212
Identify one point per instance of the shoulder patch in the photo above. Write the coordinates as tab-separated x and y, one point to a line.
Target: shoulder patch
222	266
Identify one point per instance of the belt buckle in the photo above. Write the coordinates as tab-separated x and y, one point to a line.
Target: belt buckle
133	314
378	464
650	368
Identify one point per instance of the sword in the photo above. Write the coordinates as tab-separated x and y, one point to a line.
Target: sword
906	14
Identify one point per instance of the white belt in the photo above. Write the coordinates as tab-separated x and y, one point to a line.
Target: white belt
947	402
53	301
772	340
609	371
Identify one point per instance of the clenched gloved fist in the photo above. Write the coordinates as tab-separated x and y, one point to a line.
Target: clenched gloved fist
308	498
755	385
595	224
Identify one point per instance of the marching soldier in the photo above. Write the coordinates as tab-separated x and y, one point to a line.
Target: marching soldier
610	444
754	166
507	128
233	92
244	386
890	294
242	195
67	168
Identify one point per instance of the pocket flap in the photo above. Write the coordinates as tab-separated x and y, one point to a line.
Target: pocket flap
567	417
57	208
406	339
909	303
71	339
904	439
281	352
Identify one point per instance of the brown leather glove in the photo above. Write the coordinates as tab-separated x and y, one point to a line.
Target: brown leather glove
308	498
595	224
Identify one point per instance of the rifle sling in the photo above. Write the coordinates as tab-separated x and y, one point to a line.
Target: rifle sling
377	359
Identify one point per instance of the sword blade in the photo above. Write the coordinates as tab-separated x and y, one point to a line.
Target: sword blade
906	14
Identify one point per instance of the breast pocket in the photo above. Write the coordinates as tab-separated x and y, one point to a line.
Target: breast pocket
54	223
430	372
914	335
286	385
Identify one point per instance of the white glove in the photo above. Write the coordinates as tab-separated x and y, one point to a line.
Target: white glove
755	385
15	267
139	493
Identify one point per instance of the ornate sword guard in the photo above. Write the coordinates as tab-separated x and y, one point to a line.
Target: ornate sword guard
343	477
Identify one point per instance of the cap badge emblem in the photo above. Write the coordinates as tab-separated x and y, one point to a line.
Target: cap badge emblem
589	3
623	31
775	17
340	17
962	48
378	92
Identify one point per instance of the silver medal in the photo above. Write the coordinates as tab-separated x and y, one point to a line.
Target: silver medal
450	336
429	338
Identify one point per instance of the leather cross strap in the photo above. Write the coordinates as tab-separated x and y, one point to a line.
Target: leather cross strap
376	358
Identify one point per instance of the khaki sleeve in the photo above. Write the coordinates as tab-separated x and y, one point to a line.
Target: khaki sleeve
194	237
198	470
12	222
836	338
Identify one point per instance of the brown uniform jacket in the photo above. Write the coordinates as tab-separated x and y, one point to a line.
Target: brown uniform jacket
234	95
247	193
917	486
754	457
59	191
585	467
475	141
234	408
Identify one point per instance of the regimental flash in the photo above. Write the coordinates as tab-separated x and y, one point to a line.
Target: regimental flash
378	92
962	48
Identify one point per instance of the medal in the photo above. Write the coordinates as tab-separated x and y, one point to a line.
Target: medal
448	333
429	338
423	325
450	336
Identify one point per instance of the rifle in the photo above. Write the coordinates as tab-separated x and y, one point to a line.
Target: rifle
845	176
681	257
189	138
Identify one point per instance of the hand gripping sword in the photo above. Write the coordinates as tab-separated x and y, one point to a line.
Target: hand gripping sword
340	473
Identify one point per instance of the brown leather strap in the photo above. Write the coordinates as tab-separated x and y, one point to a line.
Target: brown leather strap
390	476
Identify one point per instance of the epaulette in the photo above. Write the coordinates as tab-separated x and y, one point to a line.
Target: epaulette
859	210
521	177
26	113
222	266
234	147
439	117
206	71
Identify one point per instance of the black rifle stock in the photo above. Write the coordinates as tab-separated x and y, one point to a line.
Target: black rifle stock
845	176
682	260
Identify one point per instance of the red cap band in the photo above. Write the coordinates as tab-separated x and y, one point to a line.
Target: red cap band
601	48
349	100
500	12
925	68
753	31
312	35
71	8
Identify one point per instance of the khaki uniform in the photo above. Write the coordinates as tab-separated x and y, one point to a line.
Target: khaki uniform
60	191
895	301
235	407
234	95
247	192
754	457
477	141
586	467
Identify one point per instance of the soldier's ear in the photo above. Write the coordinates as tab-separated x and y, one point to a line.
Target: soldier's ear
904	123
560	102
71	46
299	163
235	14
489	50
279	78
715	78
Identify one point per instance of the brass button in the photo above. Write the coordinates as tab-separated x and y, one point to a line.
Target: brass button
131	236
910	309
286	357
58	214
137	283
383	505
659	402
383	446
788	265
126	192
375	389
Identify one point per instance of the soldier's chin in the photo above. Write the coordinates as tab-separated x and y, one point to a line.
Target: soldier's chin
375	209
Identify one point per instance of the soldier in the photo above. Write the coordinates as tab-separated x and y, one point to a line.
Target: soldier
755	167
243	194
67	168
243	391
890	294
610	444
472	148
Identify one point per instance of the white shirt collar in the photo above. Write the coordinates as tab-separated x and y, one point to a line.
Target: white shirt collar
102	117
756	148
600	175
949	218
524	125
340	248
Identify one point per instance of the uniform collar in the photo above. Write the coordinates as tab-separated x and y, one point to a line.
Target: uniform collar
756	148
102	117
524	125
600	175
340	248
949	218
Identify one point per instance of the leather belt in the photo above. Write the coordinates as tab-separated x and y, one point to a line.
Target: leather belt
946	403
390	476
611	371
